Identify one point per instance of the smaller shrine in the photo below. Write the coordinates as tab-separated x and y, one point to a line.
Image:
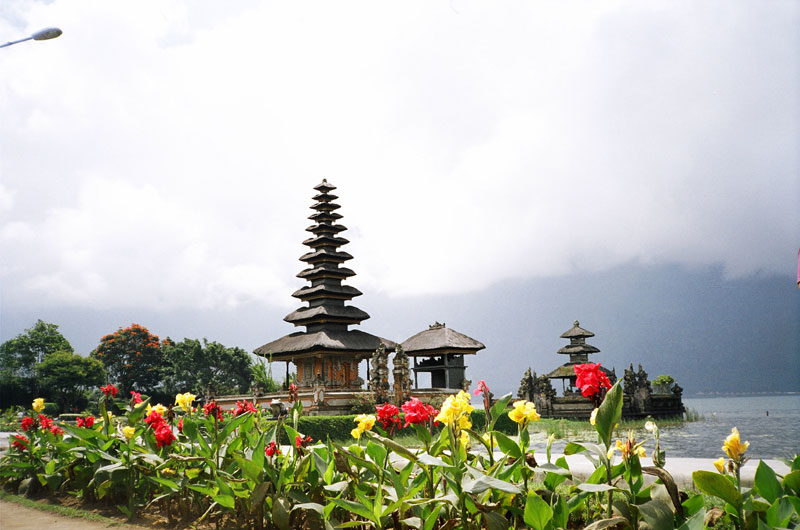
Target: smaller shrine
578	351
440	351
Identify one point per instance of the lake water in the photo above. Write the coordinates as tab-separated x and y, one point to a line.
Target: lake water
776	435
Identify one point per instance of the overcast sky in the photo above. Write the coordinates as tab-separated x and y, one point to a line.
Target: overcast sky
161	156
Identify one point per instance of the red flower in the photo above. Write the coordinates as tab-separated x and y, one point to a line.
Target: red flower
154	419
591	379
272	449
388	416
292	393
109	389
180	425
211	408
136	397
482	387
86	422
243	407
45	422
27	423
300	442
20	442
164	435
418	412
55	429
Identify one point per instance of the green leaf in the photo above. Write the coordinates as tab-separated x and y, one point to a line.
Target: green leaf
485	482
658	514
225	500
717	485
507	445
606	523
413	522
792	481
766	482
167	483
203	489
310	506
258	496
103	488
780	513
696	521
497	409
595	488
249	468
609	413
138	411
356	508
429	460
394	446
561	512
693	504
537	512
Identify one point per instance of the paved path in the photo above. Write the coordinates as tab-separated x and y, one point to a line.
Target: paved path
17	517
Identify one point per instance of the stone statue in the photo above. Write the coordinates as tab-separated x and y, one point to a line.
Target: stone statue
629	381
401	375
379	374
526	386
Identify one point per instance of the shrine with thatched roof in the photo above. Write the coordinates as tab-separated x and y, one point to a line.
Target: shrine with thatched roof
578	352
442	352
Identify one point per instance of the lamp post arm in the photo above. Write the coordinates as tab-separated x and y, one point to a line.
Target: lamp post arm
15	42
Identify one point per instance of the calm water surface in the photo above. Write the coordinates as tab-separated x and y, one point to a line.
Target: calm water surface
776	435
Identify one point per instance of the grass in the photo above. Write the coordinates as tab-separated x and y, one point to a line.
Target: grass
59	510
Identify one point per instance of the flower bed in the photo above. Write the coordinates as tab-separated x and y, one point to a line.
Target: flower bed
205	464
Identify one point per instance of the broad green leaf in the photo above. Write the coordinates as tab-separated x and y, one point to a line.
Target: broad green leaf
103	488
766	482
413	522
258	495
190	428
497	409
792	481
595	488
693	504
606	523
225	500
609	413
507	445
429	460
658	514
394	446
537	512
780	513
376	452
167	483
696	521
137	412
717	485
203	489
310	506
561	512
249	468
356	508
485	482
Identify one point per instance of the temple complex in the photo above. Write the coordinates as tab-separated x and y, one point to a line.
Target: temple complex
326	355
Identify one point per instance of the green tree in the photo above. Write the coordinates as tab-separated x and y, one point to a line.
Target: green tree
18	356
205	368
132	358
64	376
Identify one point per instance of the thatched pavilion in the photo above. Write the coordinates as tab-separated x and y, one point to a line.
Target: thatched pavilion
442	351
327	353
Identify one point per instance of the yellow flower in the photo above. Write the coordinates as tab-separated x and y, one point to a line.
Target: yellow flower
593	417
719	463
128	432
38	404
455	411
628	448
464	439
524	411
161	409
365	423
185	401
733	447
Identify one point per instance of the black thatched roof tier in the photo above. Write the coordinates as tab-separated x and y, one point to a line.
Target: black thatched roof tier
326	271
566	370
325	240
330	313
326	342
338	292
438	340
324	255
578	348
326	229
576	331
324	187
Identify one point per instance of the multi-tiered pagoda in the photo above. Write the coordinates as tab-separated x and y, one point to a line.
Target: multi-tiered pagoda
327	353
578	352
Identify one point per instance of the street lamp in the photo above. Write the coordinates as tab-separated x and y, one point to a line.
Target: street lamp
45	34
